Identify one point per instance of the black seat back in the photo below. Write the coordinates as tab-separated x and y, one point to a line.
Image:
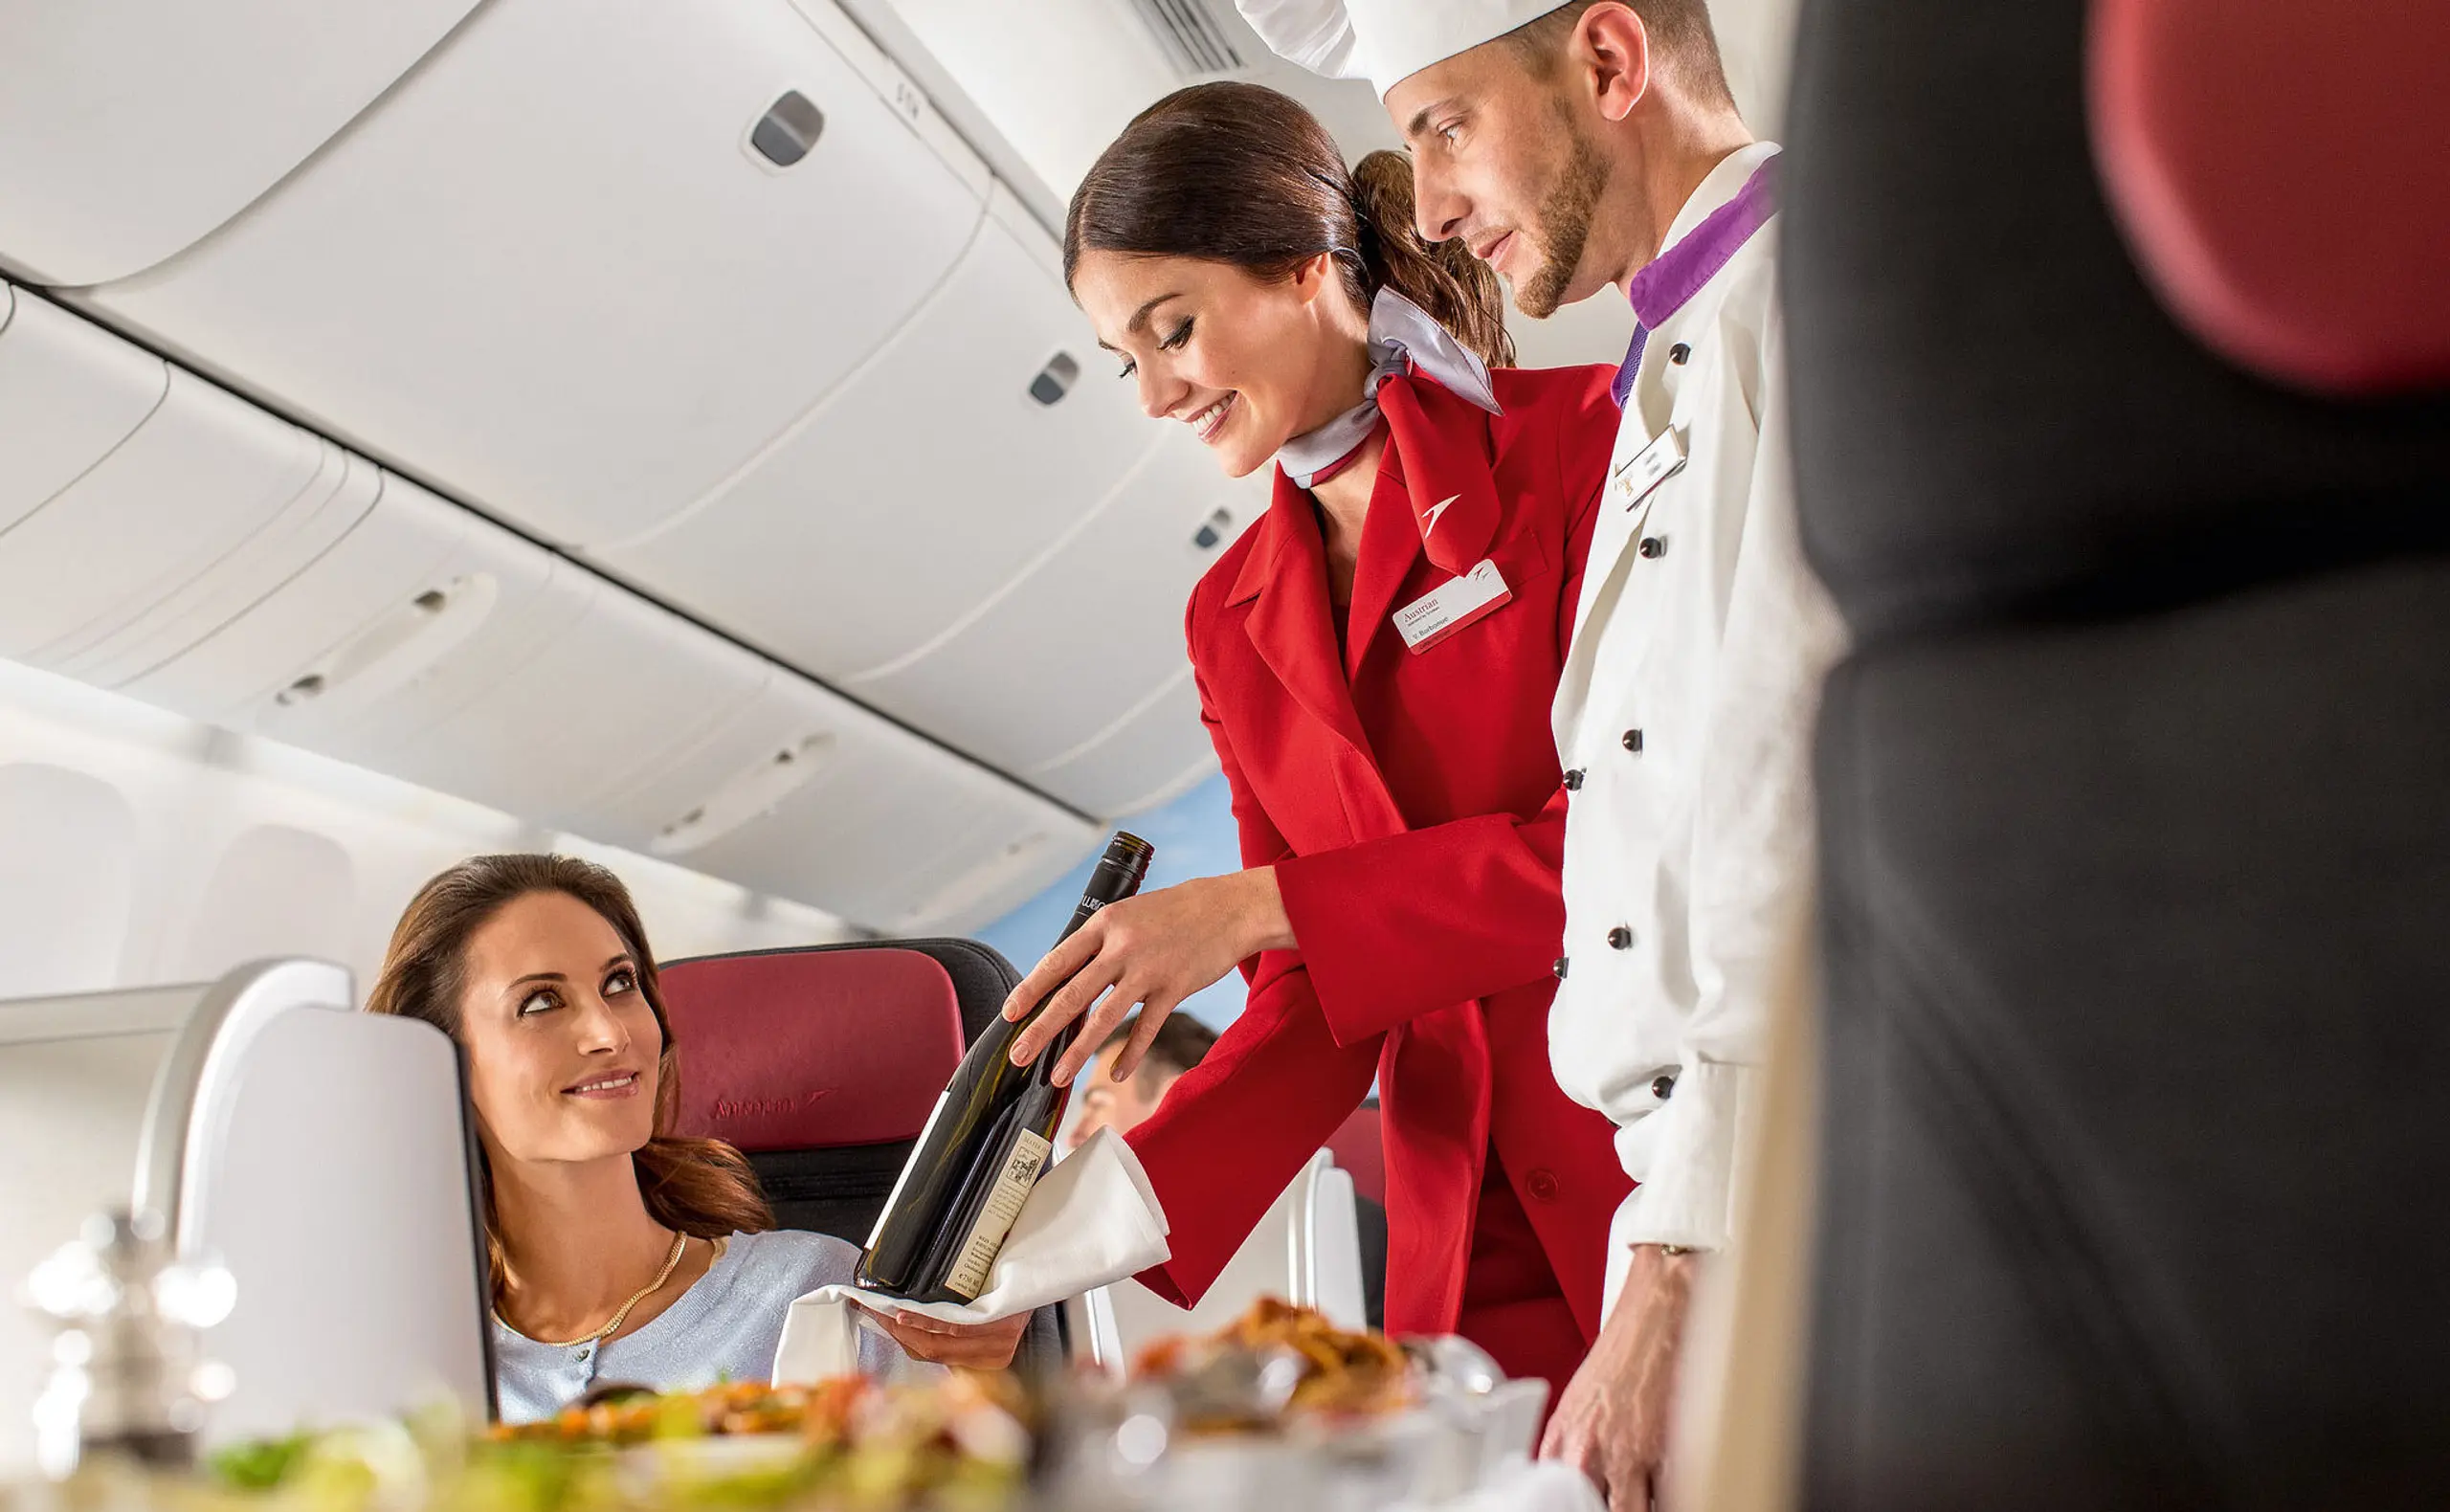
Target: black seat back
2135	816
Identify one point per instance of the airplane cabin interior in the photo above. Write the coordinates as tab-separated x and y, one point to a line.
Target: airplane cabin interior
692	441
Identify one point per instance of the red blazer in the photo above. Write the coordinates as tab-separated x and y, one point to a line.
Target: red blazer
1412	806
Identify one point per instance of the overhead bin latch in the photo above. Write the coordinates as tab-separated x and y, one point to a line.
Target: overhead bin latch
1055	379
1212	530
787	130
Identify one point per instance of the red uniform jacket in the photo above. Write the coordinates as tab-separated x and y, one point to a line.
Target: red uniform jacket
1412	806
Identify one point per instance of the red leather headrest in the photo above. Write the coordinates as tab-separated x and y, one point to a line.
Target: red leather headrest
2284	169
1358	1147
810	1049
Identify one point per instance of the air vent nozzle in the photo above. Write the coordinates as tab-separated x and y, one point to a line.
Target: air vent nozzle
1194	39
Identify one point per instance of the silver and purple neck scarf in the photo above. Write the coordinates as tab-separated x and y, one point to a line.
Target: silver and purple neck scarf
1403	338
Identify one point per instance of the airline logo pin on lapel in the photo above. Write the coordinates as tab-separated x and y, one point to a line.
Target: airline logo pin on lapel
1451	606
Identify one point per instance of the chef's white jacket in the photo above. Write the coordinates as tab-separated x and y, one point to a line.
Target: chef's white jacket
1685	722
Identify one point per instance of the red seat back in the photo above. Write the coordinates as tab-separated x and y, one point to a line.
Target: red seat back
798	1049
2280	167
1360	1150
823	1063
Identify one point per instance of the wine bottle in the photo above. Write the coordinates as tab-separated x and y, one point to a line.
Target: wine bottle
991	1134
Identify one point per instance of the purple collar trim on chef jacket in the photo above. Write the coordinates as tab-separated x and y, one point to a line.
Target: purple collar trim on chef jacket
1671	280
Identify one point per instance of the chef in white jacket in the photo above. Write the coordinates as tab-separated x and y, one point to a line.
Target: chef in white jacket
1595	146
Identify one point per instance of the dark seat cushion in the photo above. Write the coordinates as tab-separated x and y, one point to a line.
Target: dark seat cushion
840	1191
2135	832
2137	1023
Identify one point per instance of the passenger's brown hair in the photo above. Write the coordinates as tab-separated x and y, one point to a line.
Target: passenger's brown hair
699	1186
1237	173
1180	1043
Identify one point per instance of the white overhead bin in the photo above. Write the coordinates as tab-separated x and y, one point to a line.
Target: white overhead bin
68	394
979	892
843	809
420	614
334	500
902	95
922	486
131	129
559	269
1157	751
411	616
620	696
434	646
139	507
209	505
1059	677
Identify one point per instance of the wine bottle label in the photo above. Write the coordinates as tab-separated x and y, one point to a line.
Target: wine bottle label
893	1198
967	1276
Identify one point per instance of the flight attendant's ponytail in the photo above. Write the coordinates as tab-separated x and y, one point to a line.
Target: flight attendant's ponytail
1444	277
1237	173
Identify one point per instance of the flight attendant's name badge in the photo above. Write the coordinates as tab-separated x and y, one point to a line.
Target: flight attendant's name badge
1654	464
1451	606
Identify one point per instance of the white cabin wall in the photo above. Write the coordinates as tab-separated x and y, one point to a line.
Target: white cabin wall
145	847
67	878
1757	38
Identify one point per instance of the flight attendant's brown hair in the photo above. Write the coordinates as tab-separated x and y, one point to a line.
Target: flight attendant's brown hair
1237	173
700	1187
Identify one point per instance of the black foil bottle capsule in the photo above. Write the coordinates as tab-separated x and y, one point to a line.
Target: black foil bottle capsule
983	1147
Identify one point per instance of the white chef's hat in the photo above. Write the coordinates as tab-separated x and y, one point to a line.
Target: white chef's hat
1383	41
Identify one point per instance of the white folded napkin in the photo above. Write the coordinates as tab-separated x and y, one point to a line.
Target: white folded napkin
1526	1485
1092	1220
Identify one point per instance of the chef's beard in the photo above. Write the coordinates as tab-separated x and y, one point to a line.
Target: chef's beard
1563	223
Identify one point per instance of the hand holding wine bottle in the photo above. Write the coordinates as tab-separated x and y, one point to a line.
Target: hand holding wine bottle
990	1136
1150	952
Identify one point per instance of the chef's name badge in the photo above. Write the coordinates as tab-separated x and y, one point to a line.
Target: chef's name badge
1451	606
1634	477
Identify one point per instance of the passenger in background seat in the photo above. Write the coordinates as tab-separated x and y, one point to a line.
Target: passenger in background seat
1122	1103
616	1251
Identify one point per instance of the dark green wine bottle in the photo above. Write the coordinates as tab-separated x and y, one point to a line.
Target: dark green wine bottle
983	1147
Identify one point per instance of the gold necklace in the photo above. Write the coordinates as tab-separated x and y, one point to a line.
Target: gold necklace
671	1263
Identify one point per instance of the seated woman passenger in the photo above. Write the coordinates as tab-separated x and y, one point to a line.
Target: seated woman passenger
617	1252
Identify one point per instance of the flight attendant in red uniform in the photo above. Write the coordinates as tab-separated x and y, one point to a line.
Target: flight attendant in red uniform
1375	657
